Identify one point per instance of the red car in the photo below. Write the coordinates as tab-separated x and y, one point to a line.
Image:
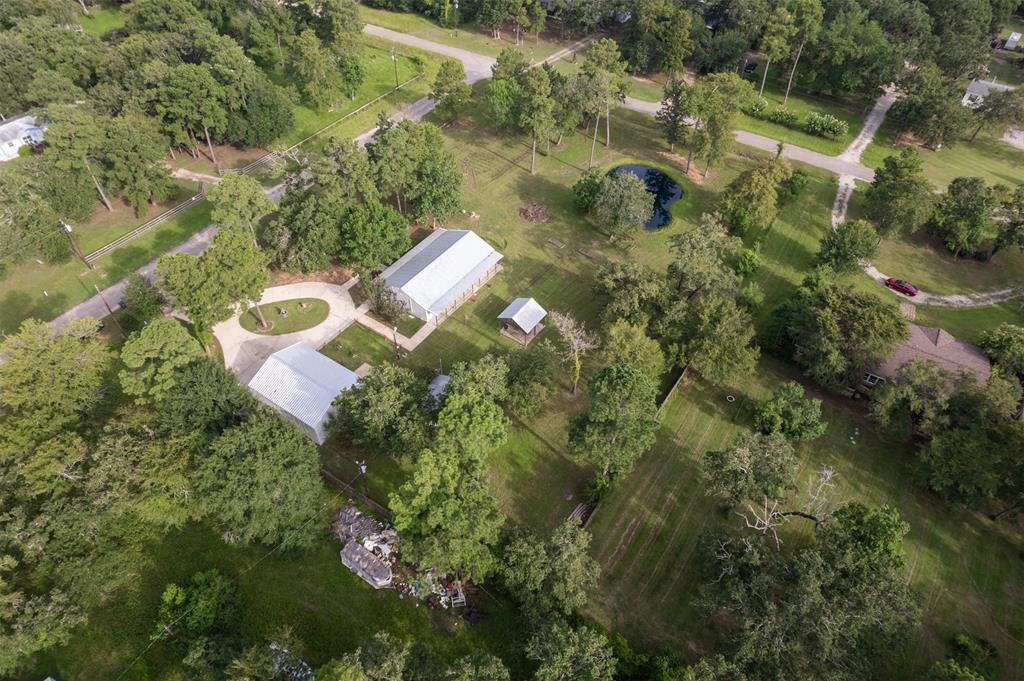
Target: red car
900	286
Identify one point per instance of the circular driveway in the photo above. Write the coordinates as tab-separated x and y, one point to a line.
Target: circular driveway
245	351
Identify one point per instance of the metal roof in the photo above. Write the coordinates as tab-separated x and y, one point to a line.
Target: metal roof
982	88
436	271
301	382
525	312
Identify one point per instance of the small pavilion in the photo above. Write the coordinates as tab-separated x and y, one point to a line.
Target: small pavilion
521	320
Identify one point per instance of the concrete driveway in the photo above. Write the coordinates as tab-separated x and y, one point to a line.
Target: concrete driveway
245	352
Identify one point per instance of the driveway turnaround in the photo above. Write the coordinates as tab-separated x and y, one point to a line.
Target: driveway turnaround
245	351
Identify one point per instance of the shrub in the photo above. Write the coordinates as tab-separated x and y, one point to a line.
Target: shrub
597	489
793	187
748	262
382	298
783	116
759	109
825	125
587	189
55	247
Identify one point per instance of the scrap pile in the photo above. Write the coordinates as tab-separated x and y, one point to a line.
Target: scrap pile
368	547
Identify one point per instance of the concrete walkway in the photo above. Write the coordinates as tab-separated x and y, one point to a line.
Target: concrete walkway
245	351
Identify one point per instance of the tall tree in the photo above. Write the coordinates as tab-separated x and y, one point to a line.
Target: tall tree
552	576
964	214
629	343
847	244
900	196
1001	109
605	74
711	334
239	202
564	653
261	483
537	110
930	106
807	17
133	152
786	602
576	342
777	40
754	467
153	359
450	89
620	424
190	102
447	517
623	205
383	412
788	412
835	333
1005	345
76	139
673	114
373	236
751	201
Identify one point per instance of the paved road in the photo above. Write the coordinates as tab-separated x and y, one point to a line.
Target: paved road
195	245
479	66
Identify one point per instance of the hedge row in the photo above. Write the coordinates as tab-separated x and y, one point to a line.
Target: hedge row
817	124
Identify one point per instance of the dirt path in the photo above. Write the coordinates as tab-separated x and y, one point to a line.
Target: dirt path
847	185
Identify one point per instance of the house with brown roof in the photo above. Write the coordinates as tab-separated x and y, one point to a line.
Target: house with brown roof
936	345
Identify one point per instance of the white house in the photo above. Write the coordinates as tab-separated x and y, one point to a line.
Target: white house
301	383
441	272
978	90
16	133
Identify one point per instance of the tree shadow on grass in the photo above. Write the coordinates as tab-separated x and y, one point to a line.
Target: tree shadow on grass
17	306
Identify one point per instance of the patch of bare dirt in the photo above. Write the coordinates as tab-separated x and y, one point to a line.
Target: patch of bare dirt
1013	591
335	275
678	160
535	213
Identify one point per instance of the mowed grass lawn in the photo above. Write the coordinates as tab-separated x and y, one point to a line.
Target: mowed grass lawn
986	157
295	317
647	534
101	20
467	37
923	260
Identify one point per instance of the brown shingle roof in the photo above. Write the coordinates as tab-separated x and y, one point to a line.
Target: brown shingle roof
941	347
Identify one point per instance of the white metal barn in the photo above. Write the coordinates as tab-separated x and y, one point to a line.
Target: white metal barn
440	272
301	384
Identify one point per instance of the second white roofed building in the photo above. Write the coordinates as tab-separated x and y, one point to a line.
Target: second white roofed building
441	272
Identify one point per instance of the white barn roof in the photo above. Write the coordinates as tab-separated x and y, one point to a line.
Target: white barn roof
439	269
301	383
525	312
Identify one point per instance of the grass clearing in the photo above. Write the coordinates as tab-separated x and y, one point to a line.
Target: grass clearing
922	259
101	20
986	157
647	534
104	226
468	36
328	608
969	324
300	314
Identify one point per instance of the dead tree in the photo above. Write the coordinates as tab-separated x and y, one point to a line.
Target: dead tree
577	340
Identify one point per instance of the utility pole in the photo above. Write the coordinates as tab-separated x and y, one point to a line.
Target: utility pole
394	60
113	317
74	247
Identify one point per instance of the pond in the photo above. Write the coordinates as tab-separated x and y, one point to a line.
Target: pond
664	188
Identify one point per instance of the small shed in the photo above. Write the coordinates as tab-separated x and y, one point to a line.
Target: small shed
1012	41
978	90
521	320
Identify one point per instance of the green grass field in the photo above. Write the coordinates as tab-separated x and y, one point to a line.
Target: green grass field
295	319
101	21
985	157
971	323
647	535
468	37
327	607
